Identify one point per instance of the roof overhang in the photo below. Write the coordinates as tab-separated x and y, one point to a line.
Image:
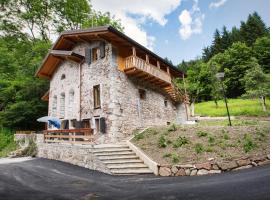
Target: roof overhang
68	39
53	59
45	97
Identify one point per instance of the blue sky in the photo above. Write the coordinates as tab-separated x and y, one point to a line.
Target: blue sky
179	29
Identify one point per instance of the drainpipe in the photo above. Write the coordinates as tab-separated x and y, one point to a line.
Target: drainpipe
80	90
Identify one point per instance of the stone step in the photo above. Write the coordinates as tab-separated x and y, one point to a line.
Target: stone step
131	171
127	166
121	161
100	146
129	152
101	150
115	157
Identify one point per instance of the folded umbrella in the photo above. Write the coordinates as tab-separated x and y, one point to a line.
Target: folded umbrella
51	120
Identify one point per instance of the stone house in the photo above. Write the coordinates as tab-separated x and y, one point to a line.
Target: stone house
103	80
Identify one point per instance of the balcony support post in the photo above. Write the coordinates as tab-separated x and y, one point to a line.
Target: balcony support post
158	64
133	51
147	59
168	70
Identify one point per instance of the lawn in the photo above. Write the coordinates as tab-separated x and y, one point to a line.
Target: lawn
237	107
199	143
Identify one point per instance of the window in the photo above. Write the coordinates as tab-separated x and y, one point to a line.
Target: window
71	103
94	54
62	105
96	92
165	102
63	76
142	93
54	106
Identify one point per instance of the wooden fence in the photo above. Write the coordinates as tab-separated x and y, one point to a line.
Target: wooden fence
73	136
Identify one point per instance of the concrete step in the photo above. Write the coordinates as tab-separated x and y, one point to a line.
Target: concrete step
131	171
127	166
112	153
122	161
115	157
111	149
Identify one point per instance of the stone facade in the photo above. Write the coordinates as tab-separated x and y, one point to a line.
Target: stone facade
121	105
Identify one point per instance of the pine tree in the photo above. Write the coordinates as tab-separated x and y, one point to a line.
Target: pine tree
225	39
253	29
217	43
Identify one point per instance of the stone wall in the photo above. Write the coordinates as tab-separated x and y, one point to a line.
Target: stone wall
212	167
81	155
121	106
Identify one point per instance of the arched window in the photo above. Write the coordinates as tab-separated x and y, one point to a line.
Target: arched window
71	103
62	105
54	106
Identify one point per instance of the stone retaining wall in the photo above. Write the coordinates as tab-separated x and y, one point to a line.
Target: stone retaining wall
212	167
81	155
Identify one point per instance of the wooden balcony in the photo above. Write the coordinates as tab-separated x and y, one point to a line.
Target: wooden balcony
73	136
147	72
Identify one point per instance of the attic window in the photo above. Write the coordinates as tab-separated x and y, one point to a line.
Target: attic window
63	76
142	93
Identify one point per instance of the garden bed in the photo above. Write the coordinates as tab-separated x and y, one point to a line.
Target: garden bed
174	145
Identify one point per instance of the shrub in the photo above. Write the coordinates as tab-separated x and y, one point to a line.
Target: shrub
202	134
199	148
175	158
248	143
31	149
211	139
226	136
180	141
138	136
167	155
162	143
172	127
209	149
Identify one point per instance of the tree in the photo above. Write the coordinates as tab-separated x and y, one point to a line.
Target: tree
225	39
252	29
257	84
262	51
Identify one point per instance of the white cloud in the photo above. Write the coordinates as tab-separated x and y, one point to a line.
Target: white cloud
145	11
191	21
217	4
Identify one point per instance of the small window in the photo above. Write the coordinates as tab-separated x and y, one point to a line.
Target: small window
63	76
54	106
62	105
165	102
142	93
94	54
96	91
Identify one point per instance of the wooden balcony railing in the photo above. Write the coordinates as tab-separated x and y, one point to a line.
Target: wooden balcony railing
134	62
74	136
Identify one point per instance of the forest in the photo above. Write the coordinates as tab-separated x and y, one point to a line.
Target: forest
243	54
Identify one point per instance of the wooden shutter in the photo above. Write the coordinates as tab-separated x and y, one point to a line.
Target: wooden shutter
88	55
78	124
102	49
102	125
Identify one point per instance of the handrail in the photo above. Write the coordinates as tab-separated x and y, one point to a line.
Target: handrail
134	61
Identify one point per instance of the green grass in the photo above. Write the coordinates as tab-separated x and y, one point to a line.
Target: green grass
237	107
7	143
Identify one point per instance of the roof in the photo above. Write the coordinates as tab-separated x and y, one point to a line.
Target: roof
68	39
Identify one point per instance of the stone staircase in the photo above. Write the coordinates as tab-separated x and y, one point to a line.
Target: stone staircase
120	159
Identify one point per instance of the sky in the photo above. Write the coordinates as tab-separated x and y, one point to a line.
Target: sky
180	29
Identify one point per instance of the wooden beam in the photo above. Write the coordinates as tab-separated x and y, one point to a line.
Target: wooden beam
158	64
133	51
147	59
168	70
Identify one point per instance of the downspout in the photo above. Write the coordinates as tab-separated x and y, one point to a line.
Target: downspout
80	90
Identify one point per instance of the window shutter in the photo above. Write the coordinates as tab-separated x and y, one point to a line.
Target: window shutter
102	125
102	49
88	55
